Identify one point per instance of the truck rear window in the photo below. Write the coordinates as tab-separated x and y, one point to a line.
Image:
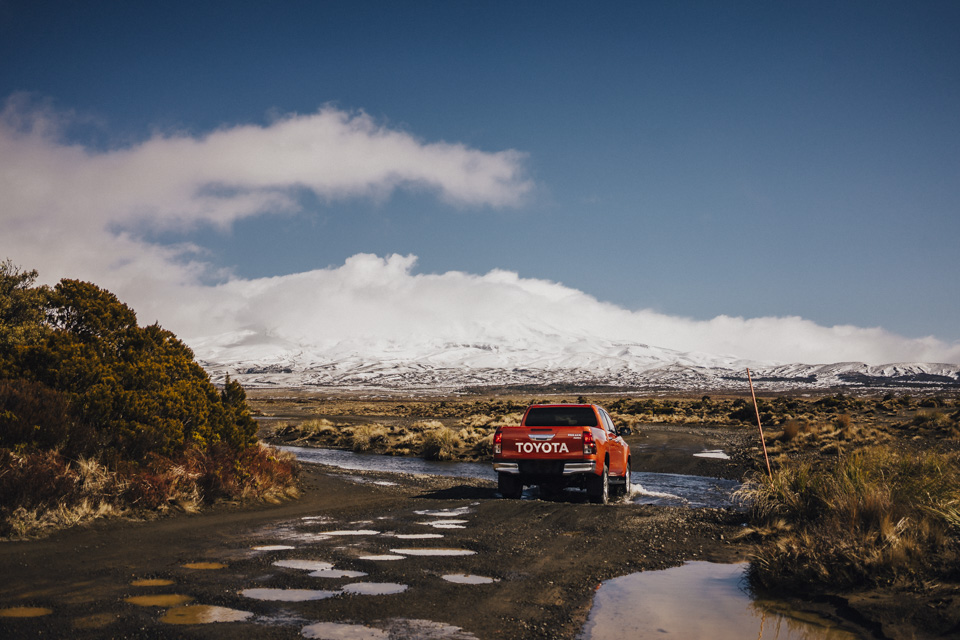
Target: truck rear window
561	417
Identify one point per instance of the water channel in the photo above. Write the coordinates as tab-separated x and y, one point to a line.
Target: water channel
666	489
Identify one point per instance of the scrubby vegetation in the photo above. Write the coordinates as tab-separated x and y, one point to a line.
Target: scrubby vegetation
876	516
101	416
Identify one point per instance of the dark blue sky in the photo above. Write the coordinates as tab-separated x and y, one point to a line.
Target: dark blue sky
696	158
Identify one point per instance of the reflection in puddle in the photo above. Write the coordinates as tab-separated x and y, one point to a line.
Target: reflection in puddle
306	565
385	556
204	614
656	604
341	631
151	582
719	454
354	532
392	628
444	513
336	573
464	578
424	630
434	552
374	588
274	547
159	600
288	595
205	566
444	524
25	612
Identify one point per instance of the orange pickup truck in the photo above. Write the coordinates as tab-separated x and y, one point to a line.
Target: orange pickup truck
563	445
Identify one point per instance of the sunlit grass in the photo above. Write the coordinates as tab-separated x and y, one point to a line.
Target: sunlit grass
874	516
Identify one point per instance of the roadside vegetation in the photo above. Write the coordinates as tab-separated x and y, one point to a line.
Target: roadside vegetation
867	498
99	416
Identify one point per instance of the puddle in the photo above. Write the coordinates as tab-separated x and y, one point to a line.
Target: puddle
374	588
445	524
94	621
385	556
444	513
288	595
424	630
392	628
463	578
336	573
341	631
362	480
306	565
25	612
152	582
718	454
696	600
417	536
159	600
274	547
434	552
205	566
350	532
204	614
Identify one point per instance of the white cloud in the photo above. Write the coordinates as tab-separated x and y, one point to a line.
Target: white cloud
71	211
381	305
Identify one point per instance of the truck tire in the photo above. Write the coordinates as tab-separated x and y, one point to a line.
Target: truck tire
509	486
598	487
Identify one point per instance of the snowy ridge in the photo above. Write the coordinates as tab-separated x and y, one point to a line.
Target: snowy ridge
540	360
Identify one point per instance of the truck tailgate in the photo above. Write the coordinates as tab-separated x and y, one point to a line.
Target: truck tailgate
542	443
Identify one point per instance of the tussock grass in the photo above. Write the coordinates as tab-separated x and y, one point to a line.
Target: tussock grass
876	516
43	491
365	437
441	443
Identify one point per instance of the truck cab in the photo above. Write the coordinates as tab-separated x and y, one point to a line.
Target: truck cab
563	445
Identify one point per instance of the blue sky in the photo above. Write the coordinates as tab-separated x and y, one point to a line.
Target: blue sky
696	159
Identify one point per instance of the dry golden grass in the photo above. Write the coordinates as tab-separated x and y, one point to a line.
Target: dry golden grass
875	516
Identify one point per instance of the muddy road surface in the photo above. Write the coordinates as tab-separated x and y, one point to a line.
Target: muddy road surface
361	555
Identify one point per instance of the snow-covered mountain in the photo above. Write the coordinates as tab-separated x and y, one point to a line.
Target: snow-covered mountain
538	359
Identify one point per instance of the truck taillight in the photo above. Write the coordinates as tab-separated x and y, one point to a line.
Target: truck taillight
497	442
589	446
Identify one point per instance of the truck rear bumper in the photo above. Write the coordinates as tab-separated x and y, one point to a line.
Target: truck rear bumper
569	468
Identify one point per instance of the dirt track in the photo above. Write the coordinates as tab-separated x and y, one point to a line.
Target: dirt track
547	558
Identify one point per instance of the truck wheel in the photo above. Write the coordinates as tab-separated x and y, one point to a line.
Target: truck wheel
509	486
628	483
598	487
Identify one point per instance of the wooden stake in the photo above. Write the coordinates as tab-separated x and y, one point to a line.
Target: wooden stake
759	426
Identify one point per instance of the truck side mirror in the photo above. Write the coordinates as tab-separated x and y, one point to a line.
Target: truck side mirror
625	431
